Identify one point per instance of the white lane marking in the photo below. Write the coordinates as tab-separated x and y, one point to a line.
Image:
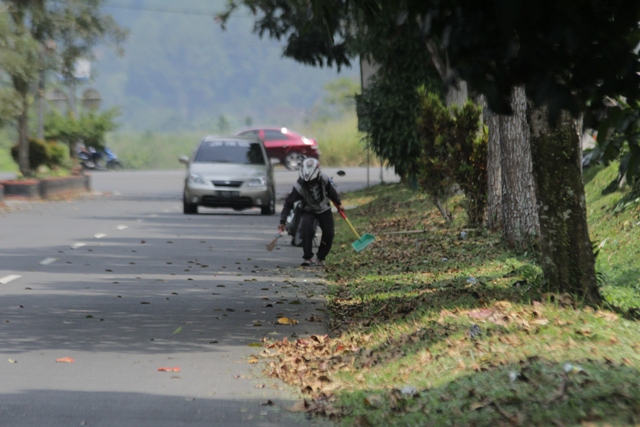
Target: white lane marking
100	235
121	227
48	261
8	279
78	245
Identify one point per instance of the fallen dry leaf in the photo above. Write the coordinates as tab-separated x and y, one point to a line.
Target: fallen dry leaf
481	313
302	406
169	369
477	405
287	321
540	322
65	360
607	315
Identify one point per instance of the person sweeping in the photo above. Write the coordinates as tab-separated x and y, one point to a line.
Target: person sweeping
316	191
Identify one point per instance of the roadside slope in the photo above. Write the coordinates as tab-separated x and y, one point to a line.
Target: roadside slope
441	328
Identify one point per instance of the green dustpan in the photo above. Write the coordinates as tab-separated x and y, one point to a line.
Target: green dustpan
363	241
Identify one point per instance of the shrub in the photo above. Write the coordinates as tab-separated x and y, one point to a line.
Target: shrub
434	127
386	108
38	153
58	154
454	150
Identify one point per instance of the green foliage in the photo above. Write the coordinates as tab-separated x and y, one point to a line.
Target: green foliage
15	59
90	129
387	110
617	235
7	139
619	140
33	28
435	124
39	154
307	44
58	155
453	151
340	92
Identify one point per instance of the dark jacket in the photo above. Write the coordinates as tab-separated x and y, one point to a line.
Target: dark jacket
316	197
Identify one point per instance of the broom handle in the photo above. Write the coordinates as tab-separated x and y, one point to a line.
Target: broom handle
343	215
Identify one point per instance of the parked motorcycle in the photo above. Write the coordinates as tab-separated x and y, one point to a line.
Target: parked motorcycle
293	226
92	159
112	160
89	158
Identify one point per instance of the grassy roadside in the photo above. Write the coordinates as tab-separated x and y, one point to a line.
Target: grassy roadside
436	329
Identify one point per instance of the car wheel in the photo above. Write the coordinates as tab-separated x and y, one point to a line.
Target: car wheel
271	208
189	208
292	161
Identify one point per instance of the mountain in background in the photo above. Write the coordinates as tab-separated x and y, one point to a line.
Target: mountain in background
181	71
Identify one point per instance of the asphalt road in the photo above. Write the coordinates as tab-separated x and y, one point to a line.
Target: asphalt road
124	284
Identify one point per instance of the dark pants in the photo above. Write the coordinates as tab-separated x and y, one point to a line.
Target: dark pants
325	221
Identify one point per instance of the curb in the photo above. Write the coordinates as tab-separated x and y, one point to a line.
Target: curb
48	188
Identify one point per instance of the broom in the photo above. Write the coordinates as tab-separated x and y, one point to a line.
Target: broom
272	244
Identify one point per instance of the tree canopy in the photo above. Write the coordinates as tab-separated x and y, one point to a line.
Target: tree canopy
567	54
49	35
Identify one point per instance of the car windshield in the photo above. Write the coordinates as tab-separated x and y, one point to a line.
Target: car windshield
243	152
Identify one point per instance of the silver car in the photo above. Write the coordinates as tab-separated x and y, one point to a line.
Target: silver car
229	172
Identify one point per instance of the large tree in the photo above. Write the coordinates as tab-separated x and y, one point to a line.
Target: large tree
568	56
520	223
73	26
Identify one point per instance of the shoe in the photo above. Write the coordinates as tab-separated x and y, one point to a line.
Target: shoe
318	262
306	263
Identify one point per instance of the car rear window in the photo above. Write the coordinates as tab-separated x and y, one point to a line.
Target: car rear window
243	152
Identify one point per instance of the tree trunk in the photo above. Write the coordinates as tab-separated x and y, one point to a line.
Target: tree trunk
23	138
457	94
494	172
567	255
519	211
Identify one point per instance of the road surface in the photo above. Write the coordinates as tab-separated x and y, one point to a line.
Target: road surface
124	284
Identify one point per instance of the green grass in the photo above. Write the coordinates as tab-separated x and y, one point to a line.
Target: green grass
617	234
151	150
415	343
340	142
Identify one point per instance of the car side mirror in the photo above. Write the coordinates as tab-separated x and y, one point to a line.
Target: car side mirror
184	160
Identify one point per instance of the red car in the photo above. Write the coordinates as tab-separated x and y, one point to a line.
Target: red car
285	145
